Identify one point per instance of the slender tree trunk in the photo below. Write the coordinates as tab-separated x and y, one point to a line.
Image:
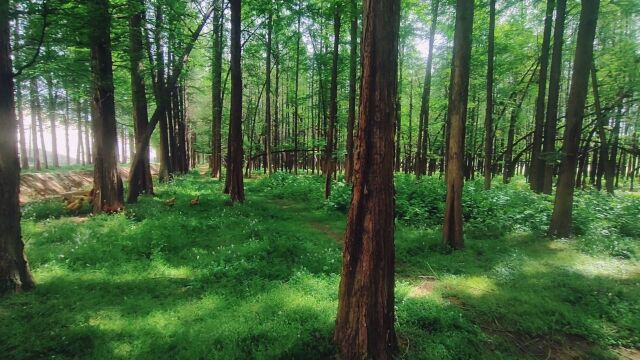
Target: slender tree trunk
141	184
296	115
551	124
330	163
536	174
234	171
51	114
423	146
365	320
66	119
107	184
88	145
215	162
267	99
488	115
458	97
14	269
604	167
398	127
353	67
561	219
81	152
33	99
24	154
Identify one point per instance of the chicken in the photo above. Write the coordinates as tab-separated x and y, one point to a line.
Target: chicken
170	202
75	205
195	201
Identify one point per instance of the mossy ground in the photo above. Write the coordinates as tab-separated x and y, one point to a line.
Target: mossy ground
260	279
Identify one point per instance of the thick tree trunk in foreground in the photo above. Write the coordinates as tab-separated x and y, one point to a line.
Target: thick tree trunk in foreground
452	234
14	269
549	143
235	156
536	175
329	153
561	219
107	184
488	115
142	184
353	67
365	320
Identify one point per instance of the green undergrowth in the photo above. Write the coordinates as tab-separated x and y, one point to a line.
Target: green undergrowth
260	279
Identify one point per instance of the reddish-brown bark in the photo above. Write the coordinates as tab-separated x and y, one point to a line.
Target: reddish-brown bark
365	320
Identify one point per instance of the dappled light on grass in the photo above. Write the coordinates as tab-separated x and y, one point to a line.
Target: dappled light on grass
260	279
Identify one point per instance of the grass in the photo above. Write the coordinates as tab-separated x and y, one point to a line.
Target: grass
259	280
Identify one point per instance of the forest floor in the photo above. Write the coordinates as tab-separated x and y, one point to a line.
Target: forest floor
260	280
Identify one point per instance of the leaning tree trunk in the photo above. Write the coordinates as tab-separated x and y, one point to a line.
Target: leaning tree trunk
365	320
329	152
14	269
235	156
561	219
458	96
549	143
107	184
142	184
488	115
536	174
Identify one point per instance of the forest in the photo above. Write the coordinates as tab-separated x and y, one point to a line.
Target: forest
319	179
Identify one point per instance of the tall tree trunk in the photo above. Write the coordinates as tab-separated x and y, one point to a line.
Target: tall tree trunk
267	104
296	115
24	154
604	167
14	269
216	91
142	184
330	163
165	160
107	184
81	152
88	145
234	170
51	114
365	320
536	174
549	144
34	104
422	151
66	119
458	97
398	128
488	115
353	68
561	219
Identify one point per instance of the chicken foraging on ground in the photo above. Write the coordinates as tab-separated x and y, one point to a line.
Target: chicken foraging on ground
195	201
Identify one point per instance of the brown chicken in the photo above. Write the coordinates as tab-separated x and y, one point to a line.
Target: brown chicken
195	201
